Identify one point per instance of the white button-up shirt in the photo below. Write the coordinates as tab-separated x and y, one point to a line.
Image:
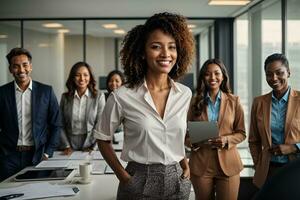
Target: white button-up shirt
148	138
79	113
23	102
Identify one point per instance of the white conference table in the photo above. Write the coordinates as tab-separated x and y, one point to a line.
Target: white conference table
102	186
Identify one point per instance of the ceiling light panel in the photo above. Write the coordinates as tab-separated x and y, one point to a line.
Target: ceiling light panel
52	25
228	2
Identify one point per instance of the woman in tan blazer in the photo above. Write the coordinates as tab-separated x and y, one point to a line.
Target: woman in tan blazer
215	164
274	137
81	108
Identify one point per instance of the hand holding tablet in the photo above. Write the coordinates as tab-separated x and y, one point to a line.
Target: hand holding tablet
202	131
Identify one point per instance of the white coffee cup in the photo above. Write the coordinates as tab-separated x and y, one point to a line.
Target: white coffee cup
85	171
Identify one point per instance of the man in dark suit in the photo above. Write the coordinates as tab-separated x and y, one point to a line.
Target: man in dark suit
29	117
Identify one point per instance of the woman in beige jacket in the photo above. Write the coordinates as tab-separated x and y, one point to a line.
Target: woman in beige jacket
215	164
274	137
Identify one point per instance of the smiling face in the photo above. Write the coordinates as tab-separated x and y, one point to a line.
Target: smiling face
277	76
114	82
160	52
21	68
213	77
82	78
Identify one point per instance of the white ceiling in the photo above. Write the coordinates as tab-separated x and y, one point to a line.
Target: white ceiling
111	8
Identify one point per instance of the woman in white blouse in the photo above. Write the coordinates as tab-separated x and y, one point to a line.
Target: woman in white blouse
153	109
81	108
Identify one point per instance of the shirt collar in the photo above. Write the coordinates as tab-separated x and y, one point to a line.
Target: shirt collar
218	96
173	85
19	89
285	97
86	93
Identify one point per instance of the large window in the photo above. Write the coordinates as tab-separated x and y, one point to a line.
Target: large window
56	45
258	34
271	35
243	75
10	37
293	41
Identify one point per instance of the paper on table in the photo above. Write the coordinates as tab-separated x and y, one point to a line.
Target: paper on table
38	190
98	167
53	164
79	155
97	155
57	155
74	164
108	170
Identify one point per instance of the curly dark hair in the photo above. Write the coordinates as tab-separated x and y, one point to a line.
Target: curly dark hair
71	83
111	74
133	51
199	102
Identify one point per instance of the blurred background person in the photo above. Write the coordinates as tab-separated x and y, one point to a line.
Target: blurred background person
81	108
215	164
114	80
274	137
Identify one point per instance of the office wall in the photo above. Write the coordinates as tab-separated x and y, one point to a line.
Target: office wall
9	38
55	53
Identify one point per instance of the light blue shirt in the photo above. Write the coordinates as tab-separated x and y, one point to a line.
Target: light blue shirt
213	108
278	115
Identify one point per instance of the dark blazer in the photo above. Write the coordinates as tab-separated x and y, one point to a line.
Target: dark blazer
260	137
46	120
231	124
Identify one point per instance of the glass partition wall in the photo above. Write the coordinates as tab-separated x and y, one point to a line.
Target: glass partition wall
271	26
10	32
55	47
58	44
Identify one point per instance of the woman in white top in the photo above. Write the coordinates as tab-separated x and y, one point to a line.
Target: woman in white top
81	108
153	109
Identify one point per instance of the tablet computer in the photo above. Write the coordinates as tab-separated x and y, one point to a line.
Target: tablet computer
45	174
200	131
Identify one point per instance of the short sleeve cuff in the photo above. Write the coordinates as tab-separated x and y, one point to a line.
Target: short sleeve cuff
101	136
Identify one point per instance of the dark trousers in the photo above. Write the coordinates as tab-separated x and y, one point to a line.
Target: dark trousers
14	162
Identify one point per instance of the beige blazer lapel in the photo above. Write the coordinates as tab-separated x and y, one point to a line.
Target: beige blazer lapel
267	113
223	106
292	104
